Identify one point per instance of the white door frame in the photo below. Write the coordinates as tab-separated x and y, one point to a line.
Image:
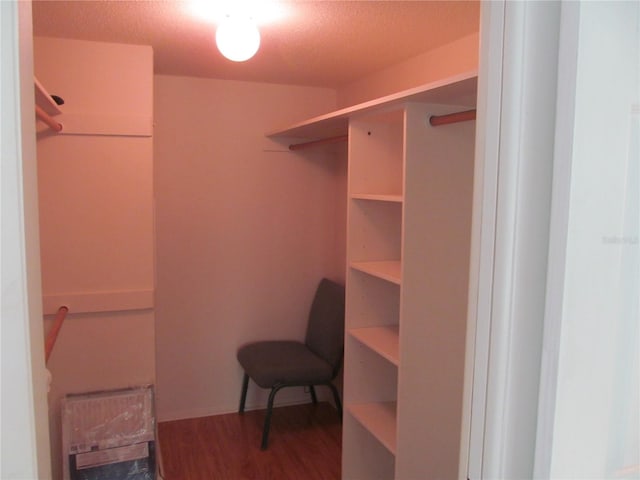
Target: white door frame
25	425
510	236
589	398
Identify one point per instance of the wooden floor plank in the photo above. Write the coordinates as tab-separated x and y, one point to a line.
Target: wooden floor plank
304	443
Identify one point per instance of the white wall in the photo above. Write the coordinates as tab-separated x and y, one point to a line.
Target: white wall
448	60
25	442
589	425
96	218
244	228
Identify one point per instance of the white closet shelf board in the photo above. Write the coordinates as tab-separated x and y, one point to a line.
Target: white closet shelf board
389	270
379	419
94	302
377	197
44	100
382	340
457	90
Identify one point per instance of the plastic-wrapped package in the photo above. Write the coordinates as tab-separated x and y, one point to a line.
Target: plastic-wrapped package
109	435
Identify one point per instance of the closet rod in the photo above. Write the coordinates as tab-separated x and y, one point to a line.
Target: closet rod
53	333
323	141
46	118
436	120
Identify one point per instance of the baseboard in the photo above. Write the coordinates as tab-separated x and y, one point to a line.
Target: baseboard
283	400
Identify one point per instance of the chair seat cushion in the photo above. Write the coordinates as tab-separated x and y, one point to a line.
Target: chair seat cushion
283	362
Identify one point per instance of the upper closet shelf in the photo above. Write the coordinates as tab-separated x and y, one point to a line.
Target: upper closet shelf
459	90
88	123
46	107
44	99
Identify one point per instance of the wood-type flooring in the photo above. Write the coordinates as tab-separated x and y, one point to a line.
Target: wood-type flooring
304	443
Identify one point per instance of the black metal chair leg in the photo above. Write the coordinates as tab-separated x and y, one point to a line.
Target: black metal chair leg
243	394
312	390
336	398
267	419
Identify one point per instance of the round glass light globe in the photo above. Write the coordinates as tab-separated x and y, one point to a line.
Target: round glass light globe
238	39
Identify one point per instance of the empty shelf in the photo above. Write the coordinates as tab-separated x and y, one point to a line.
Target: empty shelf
378	197
379	419
389	270
382	340
44	100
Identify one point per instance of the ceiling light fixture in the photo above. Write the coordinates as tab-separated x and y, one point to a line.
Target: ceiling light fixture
238	38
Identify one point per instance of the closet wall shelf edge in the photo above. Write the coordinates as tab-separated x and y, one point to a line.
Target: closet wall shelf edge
44	100
46	107
99	301
378	197
88	123
455	90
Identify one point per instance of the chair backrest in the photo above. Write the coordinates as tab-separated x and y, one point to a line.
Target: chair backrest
325	330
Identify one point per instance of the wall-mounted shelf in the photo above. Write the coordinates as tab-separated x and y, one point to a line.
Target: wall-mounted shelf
44	99
46	107
459	90
103	301
75	123
410	184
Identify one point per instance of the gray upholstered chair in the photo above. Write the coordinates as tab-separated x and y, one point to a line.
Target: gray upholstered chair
285	363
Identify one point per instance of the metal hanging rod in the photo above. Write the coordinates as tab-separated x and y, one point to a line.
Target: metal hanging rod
46	118
53	333
435	120
314	143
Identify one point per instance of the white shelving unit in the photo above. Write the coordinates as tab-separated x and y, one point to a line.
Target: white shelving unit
408	242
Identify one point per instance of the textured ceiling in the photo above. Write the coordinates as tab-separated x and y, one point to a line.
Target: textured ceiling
320	43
